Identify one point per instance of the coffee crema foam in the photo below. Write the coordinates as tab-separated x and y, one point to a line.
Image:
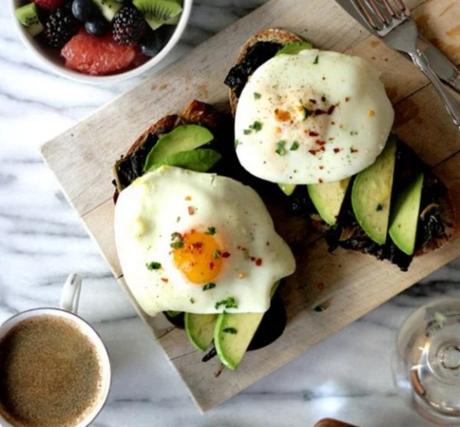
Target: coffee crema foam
50	373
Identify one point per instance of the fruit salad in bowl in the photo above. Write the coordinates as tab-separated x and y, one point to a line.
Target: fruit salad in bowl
101	40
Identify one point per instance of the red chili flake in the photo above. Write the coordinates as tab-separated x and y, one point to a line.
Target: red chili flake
197	245
313	101
312	152
225	254
318	112
259	262
331	109
320	142
347	98
191	210
211	266
164	279
188	198
311	133
323	98
253	258
336	150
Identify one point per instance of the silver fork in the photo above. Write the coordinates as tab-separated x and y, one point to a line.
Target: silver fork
392	22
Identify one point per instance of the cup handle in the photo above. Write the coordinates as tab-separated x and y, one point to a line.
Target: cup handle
70	295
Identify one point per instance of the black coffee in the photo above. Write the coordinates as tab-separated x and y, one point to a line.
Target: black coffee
50	373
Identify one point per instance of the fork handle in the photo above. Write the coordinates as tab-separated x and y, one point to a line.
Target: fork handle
451	104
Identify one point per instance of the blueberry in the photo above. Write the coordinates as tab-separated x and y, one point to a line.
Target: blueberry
154	41
85	10
97	28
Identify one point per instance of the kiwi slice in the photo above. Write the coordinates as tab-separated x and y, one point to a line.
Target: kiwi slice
159	12
28	17
108	8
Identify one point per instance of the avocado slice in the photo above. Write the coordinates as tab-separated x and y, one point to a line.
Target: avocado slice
200	159
182	138
404	219
328	198
287	189
28	17
371	194
294	48
200	329
233	334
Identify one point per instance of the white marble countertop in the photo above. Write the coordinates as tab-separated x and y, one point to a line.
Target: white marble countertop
41	241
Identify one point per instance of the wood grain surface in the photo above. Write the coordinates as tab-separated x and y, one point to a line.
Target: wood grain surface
350	284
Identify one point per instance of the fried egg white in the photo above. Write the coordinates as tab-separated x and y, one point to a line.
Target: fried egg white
199	243
313	117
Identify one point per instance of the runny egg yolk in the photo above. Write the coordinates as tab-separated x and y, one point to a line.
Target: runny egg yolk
199	258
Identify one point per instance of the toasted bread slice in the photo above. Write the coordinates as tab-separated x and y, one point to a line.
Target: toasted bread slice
274	35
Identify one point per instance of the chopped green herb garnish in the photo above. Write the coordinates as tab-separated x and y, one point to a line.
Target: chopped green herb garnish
211	231
192	301
353	133
306	113
153	265
256	126
209	286
237	142
281	148
230	330
178	219
257	95
177	241
294	146
229	302
379	207
217	254
316	60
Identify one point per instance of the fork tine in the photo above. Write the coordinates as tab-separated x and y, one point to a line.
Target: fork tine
376	9
403	10
365	11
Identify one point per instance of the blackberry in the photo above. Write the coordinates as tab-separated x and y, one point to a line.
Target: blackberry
128	25
59	27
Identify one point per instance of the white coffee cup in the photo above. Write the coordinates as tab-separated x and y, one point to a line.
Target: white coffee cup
68	310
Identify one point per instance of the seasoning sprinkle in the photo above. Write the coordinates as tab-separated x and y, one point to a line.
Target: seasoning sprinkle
217	254
229	302
257	95
153	265
316	60
211	231
294	146
281	148
230	330
209	286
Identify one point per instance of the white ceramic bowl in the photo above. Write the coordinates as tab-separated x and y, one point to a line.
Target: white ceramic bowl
50	59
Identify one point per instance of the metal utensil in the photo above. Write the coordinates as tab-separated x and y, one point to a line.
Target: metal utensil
446	70
392	22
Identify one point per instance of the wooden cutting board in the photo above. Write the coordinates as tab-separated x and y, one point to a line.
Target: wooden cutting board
351	284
